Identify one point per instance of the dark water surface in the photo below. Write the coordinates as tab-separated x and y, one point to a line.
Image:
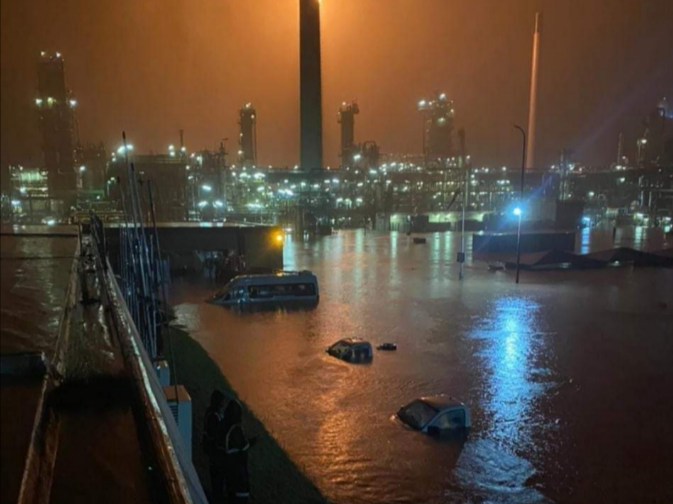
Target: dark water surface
568	376
34	276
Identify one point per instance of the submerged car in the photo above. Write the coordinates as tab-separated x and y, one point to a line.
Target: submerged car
435	415
352	350
281	287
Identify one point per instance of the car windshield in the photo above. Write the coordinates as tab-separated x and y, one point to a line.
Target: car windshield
340	348
417	414
223	290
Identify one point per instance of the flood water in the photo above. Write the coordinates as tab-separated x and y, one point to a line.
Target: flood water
568	376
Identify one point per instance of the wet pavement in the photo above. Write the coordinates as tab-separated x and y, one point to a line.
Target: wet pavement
568	375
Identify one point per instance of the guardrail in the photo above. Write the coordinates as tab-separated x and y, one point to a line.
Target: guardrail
177	473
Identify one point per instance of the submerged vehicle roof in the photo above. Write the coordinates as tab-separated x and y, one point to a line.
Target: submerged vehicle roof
352	341
278	274
441	402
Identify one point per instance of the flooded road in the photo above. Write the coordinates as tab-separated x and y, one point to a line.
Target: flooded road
568	376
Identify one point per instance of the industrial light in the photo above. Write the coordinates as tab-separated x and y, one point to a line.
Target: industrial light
82	168
279	238
206	188
38	101
202	204
218	204
73	103
123	149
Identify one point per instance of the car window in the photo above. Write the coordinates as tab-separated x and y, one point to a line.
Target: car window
450	420
339	348
417	414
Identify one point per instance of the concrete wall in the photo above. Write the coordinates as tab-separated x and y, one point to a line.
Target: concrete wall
260	244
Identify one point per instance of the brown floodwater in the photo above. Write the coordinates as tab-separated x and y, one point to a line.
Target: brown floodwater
568	376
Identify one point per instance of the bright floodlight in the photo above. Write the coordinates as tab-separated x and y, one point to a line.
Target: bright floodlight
123	149
517	212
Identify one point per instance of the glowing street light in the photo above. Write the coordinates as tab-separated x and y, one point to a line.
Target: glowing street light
122	149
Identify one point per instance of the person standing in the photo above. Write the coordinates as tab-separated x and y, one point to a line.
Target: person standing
236	448
213	445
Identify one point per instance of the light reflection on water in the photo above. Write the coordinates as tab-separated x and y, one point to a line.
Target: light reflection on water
511	334
510	352
35	276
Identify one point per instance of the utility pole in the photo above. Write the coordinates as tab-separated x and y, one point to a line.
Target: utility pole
466	180
519	210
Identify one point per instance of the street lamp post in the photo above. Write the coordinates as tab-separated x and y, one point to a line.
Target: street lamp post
518	211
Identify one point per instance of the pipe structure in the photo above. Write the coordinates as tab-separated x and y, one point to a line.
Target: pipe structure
532	107
310	85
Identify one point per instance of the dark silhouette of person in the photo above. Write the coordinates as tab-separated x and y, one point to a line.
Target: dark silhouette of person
213	445
236	446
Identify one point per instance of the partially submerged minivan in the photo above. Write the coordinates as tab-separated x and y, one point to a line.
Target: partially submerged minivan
284	286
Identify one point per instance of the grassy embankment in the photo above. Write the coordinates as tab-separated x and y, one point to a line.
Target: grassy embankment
274	478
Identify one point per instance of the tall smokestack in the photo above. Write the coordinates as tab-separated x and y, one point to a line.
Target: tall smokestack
310	85
620	149
532	107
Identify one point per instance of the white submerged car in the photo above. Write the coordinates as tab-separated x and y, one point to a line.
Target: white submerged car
282	287
435	415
